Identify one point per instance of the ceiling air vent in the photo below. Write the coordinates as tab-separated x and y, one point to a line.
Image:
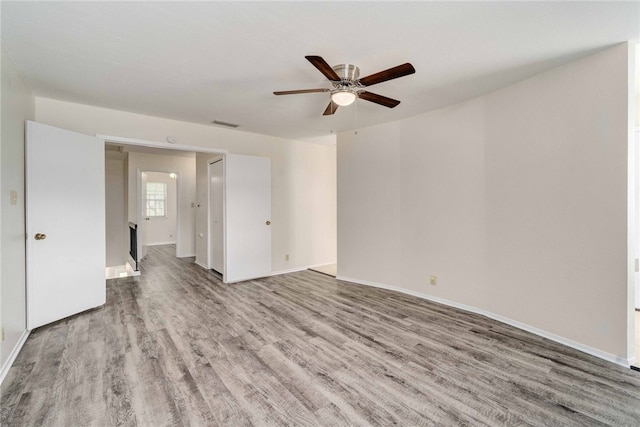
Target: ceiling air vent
220	123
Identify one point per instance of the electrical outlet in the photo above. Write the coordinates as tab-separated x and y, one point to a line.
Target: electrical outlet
286	257
433	280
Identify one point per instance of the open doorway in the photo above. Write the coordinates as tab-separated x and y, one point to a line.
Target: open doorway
158	212
169	204
246	190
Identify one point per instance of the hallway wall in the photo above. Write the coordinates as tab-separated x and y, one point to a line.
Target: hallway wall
185	168
117	230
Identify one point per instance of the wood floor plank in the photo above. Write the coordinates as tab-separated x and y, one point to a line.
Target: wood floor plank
177	347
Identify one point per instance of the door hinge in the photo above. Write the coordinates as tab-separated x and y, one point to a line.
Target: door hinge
2	334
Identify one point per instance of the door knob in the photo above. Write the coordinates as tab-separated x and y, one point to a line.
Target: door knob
40	236
268	222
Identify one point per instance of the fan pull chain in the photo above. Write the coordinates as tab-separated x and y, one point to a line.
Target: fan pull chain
355	114
332	126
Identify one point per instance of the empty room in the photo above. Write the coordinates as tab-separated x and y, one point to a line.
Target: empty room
320	213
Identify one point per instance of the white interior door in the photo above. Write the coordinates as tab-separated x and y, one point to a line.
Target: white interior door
216	217
247	217
65	224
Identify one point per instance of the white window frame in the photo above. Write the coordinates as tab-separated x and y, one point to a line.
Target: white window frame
164	200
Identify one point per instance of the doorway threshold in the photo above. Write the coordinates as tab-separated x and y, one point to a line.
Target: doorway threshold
119	271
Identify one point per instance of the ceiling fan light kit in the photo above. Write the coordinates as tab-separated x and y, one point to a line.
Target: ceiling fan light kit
343	97
346	90
347	86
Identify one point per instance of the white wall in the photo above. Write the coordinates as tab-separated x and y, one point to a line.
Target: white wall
162	231
117	230
185	167
516	200
17	106
302	174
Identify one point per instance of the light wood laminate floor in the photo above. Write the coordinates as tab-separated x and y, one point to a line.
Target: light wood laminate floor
177	347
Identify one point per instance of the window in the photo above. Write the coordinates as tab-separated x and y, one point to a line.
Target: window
156	200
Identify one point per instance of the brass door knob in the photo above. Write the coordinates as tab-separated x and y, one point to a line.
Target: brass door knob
40	236
268	222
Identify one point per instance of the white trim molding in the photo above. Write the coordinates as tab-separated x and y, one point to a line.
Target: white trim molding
14	353
185	255
296	269
156	144
289	270
206	267
321	265
161	243
561	340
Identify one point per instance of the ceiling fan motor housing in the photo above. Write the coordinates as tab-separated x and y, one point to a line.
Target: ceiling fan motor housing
347	72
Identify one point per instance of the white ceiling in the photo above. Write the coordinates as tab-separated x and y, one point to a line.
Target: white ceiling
199	61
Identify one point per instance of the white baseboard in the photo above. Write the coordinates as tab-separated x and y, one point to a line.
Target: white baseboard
324	264
296	269
185	255
196	262
161	243
561	340
131	266
13	355
277	272
290	270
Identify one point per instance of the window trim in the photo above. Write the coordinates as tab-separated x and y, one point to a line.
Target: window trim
164	200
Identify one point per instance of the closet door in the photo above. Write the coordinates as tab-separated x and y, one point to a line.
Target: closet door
247	217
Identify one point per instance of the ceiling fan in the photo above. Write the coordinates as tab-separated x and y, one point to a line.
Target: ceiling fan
347	86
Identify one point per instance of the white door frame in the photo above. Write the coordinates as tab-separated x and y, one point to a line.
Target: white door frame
177	147
199	149
140	205
210	162
164	145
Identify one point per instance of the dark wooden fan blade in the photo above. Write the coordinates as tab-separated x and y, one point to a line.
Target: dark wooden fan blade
323	67
331	108
293	92
390	74
378	99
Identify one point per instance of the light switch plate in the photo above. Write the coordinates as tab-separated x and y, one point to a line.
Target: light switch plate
14	197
